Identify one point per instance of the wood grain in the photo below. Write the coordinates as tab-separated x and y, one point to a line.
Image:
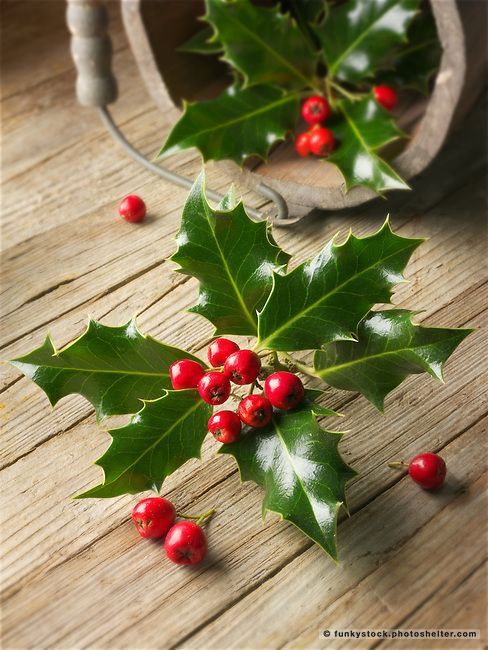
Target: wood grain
74	573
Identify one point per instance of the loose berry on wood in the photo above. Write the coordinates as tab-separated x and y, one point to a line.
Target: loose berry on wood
428	470
153	517
186	543
132	208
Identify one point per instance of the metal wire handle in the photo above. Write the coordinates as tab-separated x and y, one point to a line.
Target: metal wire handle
96	86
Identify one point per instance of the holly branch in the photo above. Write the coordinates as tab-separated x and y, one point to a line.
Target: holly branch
327	305
344	62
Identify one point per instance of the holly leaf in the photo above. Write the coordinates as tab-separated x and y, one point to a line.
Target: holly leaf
414	65
236	125
365	128
324	299
301	470
307	14
233	258
203	42
309	401
358	36
160	438
264	45
389	348
112	367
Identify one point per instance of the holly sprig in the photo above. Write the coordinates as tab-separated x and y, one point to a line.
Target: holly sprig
281	54
327	305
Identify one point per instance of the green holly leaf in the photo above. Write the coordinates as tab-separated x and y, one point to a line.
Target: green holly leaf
364	129
238	124
203	42
112	367
307	14
301	470
358	36
160	438
264	45
232	256
324	299
414	65
389	348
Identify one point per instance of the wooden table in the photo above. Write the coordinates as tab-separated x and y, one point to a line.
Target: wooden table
75	574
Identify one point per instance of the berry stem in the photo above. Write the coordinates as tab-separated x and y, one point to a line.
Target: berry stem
345	93
198	519
307	370
398	464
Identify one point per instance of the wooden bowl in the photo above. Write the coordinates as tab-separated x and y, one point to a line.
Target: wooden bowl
155	28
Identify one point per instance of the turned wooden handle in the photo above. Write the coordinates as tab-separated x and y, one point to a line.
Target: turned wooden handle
91	49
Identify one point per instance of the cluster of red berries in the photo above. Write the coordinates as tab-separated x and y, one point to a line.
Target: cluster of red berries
282	390
185	541
317	139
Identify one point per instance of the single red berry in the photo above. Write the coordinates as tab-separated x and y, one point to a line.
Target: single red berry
185	373
186	543
242	367
322	141
315	109
219	350
428	470
255	410
386	96
284	390
132	208
302	144
214	388
225	426
153	517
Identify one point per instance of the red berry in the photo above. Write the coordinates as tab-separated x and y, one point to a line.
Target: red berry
153	517
315	109
322	141
284	390
185	374
242	367
255	410
428	470
386	96
214	388
186	543
302	144
132	208
219	350
225	426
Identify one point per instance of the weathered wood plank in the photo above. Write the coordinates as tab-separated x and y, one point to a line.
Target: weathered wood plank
119	580
75	575
376	536
375	442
